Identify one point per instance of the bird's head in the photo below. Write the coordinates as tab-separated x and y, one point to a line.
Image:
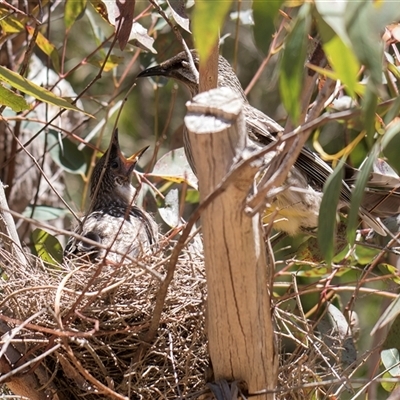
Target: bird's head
115	182
178	68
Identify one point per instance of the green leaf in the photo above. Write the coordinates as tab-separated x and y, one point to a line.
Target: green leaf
45	213
30	88
369	104
365	22
386	384
13	100
327	216
207	19
391	313
292	64
174	167
388	269
74	10
66	154
358	194
392	137
264	14
364	255
392	153
47	47
363	176
9	22
340	56
112	61
394	111
390	134
192	196
391	360
333	14
47	247
392	340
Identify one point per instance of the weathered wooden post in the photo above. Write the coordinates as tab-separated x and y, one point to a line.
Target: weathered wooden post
240	329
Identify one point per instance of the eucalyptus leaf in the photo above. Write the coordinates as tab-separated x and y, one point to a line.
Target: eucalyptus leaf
392	312
174	167
178	11
66	154
170	212
45	213
24	85
9	22
341	56
74	9
391	360
327	215
47	247
207	20
13	100
292	64
264	15
392	340
358	194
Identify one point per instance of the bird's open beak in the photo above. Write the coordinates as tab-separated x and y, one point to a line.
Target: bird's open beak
131	161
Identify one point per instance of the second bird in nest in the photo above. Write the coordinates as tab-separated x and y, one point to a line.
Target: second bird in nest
113	220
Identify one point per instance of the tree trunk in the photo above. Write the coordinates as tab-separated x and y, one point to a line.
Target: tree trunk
240	329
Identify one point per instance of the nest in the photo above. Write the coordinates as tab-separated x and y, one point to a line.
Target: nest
92	321
82	331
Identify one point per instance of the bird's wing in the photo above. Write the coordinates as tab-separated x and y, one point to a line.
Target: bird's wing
263	130
79	247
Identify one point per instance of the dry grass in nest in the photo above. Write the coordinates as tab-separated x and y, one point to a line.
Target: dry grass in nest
95	317
90	322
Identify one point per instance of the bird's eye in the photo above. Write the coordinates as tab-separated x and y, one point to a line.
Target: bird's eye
114	164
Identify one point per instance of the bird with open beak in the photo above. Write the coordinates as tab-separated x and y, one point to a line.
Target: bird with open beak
113	220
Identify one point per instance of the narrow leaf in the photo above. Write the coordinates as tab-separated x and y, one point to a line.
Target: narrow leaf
125	21
264	14
9	22
292	64
388	269
101	9
340	56
47	247
174	167
358	194
140	38
365	39
45	213
170	212
208	18
392	340
369	104
392	137
179	13
73	10
391	360
333	14
47	47
30	88
112	61
120	14
388	315
13	100
328	211
66	154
